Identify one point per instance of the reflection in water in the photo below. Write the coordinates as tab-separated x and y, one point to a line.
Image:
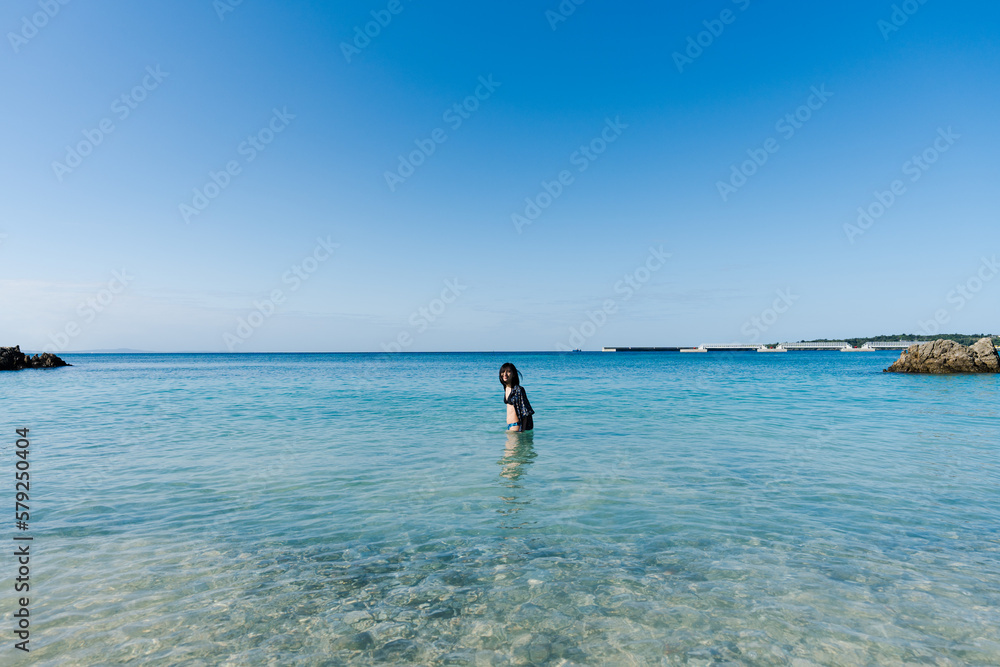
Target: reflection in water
518	454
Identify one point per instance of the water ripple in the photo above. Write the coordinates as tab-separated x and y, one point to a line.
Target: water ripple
359	509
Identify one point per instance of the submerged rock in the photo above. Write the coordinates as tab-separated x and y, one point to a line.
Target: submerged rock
396	650
359	642
12	359
946	356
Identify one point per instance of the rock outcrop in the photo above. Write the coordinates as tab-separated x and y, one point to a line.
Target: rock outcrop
12	359
946	356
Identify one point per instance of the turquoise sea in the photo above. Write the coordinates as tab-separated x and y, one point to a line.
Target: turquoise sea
358	509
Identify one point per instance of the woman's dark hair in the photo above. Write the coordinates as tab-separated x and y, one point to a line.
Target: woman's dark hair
515	375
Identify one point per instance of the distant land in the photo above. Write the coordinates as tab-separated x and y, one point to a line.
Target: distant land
895	342
117	350
964	339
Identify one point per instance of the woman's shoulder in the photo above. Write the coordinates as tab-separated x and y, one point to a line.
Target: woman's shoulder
519	394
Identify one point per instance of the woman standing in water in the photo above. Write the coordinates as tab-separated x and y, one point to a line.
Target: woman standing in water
518	408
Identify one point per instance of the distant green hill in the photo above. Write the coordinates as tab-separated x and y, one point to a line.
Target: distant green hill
964	339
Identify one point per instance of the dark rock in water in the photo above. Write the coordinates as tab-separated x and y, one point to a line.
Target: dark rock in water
12	359
466	656
531	650
441	612
358	642
397	649
946	356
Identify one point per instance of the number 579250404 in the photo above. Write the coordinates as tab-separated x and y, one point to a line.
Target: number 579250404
22	480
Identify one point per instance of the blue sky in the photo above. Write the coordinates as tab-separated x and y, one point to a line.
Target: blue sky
436	262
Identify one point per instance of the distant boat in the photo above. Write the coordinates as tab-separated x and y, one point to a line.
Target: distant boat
693	349
778	348
578	350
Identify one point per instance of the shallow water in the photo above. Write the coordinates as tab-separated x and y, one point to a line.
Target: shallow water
356	509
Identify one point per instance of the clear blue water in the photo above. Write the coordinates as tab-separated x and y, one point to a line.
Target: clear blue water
802	508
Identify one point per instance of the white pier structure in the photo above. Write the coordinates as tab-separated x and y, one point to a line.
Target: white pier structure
837	345
895	344
842	346
757	347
